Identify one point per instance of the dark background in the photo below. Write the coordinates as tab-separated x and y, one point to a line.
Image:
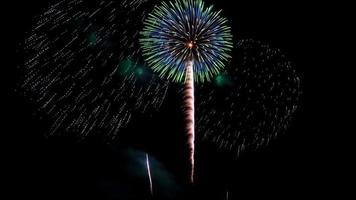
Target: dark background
304	163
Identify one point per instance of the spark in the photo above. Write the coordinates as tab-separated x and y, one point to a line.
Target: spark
149	173
251	102
83	69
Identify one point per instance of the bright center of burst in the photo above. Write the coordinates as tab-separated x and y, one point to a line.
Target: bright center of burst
190	44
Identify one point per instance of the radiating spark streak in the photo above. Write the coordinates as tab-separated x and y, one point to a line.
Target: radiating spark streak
189	114
149	173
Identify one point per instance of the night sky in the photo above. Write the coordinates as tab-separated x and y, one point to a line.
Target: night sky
298	163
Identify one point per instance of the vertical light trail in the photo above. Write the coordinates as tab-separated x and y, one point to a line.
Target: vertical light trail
227	195
149	173
189	114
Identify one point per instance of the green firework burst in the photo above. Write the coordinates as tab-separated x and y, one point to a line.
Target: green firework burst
186	30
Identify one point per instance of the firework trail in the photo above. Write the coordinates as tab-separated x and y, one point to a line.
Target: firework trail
176	35
227	195
149	173
189	113
251	102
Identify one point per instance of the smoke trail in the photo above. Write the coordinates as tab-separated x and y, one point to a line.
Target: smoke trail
149	173
189	114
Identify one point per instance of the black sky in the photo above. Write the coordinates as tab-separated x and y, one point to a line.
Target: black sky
298	164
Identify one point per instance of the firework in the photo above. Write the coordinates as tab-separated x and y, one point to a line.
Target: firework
185	41
82	69
185	30
251	102
149	173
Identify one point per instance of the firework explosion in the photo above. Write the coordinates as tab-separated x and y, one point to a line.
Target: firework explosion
82	67
186	30
85	70
251	102
185	41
